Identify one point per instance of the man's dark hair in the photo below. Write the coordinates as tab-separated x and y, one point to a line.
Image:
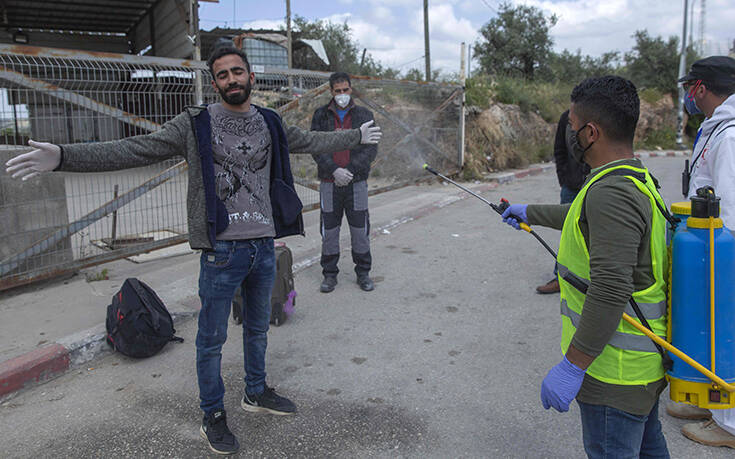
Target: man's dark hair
338	77
720	89
223	48
610	101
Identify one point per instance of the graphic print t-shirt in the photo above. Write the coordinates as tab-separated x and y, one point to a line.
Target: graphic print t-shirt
241	144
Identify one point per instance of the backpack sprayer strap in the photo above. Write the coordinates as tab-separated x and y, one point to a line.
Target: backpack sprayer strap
686	176
582	286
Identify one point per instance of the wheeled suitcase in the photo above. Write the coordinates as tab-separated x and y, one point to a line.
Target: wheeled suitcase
283	298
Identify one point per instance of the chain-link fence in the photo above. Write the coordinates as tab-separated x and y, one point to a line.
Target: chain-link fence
61	222
420	124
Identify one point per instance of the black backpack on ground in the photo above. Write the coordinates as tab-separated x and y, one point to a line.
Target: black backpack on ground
283	297
138	324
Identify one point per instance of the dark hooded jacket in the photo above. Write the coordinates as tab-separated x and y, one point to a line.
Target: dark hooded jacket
361	157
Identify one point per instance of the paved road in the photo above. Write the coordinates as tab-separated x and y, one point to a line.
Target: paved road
443	359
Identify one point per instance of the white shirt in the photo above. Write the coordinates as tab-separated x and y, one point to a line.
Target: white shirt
715	159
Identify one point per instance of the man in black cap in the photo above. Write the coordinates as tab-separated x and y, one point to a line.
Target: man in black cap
710	89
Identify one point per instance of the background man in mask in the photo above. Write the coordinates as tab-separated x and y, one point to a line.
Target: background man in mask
343	188
710	89
240	197
571	175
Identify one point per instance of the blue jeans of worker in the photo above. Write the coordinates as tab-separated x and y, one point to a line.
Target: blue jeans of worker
566	196
250	263
608	432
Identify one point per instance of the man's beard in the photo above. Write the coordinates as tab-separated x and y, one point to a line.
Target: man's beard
237	98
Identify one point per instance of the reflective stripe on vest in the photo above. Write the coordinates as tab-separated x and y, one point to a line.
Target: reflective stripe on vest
651	311
627	341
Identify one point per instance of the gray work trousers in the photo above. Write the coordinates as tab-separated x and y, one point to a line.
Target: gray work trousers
352	201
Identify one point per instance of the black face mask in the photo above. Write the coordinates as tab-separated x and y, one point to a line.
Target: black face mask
236	99
578	150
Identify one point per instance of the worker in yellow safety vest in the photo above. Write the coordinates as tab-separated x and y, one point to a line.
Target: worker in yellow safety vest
612	258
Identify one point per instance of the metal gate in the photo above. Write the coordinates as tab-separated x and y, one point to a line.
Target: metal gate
62	222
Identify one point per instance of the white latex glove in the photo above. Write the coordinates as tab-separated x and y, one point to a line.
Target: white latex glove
370	134
342	177
46	157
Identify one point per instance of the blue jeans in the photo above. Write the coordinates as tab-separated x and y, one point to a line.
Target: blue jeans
611	433
222	270
567	195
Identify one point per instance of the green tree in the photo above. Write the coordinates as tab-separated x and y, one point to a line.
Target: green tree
654	63
419	75
568	67
516	42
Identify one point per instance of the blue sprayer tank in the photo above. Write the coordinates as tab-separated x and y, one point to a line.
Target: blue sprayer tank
682	211
690	319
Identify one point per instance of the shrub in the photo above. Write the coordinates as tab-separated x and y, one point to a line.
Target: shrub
547	99
664	138
479	91
651	95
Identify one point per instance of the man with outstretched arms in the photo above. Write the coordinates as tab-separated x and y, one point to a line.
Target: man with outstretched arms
240	197
612	249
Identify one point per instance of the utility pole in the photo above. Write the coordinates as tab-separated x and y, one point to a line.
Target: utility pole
197	56
460	150
701	28
462	72
691	22
289	48
469	61
682	72
427	53
288	34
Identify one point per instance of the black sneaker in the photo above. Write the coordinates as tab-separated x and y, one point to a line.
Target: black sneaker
267	402
218	436
365	282
328	284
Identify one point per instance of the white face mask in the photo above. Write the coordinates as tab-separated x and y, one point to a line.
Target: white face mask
342	100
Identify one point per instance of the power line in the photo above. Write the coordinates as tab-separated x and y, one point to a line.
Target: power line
488	5
240	20
410	62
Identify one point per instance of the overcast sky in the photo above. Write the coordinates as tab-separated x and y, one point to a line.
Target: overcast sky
392	30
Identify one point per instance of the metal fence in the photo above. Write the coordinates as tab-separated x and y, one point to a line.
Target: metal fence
62	222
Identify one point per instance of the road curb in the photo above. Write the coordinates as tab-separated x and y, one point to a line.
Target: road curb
36	366
53	360
663	154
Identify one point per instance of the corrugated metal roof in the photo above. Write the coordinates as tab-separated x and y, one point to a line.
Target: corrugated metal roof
111	16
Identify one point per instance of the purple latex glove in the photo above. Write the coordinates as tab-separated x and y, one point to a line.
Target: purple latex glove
514	213
561	385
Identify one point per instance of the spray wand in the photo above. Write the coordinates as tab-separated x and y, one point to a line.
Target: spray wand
499	208
643	327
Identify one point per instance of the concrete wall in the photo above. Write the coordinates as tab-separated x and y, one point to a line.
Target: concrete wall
30	211
111	44
170	24
63	123
171	29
